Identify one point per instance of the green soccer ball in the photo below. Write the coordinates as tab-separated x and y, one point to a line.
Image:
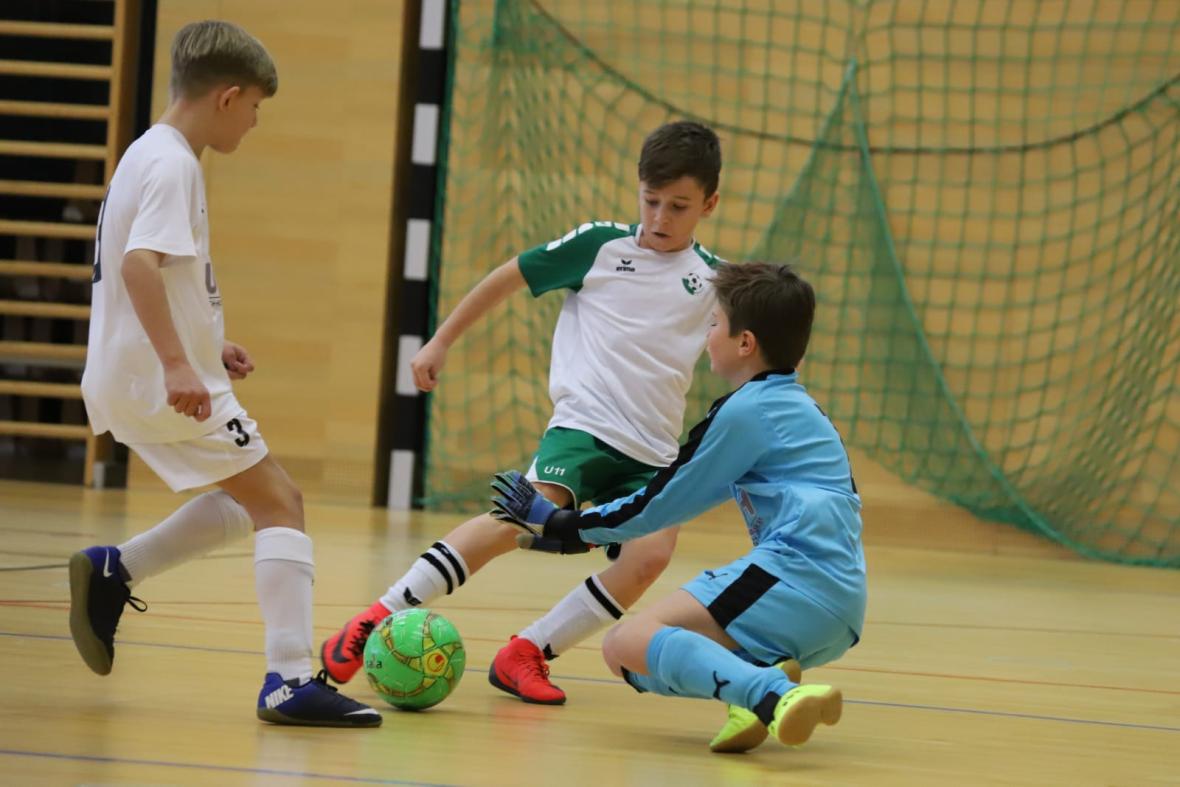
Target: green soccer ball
414	659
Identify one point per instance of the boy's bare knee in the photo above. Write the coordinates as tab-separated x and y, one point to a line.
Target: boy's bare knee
645	562
282	507
294	497
610	650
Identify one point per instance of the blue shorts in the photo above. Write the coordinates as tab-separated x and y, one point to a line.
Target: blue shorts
769	619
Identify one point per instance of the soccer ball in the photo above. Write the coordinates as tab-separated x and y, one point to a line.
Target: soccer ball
414	659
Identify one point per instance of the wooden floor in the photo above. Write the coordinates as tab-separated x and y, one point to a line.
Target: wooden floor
986	666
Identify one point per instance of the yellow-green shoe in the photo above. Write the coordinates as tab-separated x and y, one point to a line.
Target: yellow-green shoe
743	731
801	709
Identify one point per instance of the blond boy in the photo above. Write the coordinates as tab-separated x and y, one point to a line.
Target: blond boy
158	374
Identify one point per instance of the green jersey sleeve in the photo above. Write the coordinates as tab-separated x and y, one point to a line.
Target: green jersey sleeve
564	263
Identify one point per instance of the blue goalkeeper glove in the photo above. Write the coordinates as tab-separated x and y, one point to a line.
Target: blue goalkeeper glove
546	527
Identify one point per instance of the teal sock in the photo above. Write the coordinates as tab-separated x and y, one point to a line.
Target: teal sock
686	664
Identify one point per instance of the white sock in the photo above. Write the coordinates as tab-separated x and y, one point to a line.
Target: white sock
587	608
199	526
283	574
440	569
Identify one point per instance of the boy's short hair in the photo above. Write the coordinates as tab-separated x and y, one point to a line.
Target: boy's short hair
771	301
211	53
682	148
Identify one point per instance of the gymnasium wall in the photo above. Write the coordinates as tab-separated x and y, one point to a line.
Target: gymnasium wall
300	219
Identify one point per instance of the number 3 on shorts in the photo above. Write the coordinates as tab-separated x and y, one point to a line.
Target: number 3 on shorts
242	438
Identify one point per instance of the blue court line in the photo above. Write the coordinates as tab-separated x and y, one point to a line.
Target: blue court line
222	768
1013	715
164	645
620	683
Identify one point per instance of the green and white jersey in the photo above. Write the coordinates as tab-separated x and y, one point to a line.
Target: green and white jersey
628	336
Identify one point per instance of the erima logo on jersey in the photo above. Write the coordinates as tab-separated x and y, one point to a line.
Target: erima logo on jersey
626	265
693	283
278	696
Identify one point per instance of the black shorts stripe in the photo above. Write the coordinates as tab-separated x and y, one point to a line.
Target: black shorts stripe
432	560
450	556
627	679
601	598
742	594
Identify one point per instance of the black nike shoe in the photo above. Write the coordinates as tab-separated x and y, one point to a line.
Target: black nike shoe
311	704
97	596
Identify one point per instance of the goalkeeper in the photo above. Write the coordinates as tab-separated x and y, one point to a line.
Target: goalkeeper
800	592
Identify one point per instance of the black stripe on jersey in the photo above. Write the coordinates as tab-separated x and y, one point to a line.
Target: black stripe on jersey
441	548
660	480
742	594
601	598
438	566
664	476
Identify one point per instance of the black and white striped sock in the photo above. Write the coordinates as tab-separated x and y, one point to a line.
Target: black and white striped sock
439	570
586	609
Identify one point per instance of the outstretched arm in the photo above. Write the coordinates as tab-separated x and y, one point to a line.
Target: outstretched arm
720	450
493	289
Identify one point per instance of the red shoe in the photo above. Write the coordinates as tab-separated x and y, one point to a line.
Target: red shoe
520	669
343	653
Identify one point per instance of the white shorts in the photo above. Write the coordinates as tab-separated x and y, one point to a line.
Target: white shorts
226	451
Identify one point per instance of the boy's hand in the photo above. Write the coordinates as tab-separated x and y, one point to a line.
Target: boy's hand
236	361
186	394
426	365
547	527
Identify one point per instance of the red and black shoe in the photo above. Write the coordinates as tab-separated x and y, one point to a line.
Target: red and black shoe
343	653
520	669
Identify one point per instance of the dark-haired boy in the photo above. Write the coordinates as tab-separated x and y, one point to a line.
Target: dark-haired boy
800	592
632	326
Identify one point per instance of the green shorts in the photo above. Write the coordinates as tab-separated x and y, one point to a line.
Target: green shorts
589	468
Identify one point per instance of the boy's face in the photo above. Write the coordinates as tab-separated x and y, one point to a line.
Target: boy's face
727	354
237	113
670	213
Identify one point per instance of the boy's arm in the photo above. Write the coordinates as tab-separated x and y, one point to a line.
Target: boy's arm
720	450
725	445
494	288
145	286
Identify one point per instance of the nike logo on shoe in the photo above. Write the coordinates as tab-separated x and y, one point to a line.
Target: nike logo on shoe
106	566
278	696
338	651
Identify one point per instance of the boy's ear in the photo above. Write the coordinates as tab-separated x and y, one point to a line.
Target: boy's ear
227	95
711	203
748	344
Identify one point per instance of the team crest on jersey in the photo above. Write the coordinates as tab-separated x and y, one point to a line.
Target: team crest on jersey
750	513
693	283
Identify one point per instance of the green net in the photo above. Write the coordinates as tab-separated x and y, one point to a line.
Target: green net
984	194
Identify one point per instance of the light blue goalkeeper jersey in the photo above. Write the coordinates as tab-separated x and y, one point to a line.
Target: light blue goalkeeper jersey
770	446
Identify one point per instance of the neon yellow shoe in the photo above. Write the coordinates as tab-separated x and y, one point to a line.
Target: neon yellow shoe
743	731
801	709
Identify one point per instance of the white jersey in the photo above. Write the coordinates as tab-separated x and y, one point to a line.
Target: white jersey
156	201
628	336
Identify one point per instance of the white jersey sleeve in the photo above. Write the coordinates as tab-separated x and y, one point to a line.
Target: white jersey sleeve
163	217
